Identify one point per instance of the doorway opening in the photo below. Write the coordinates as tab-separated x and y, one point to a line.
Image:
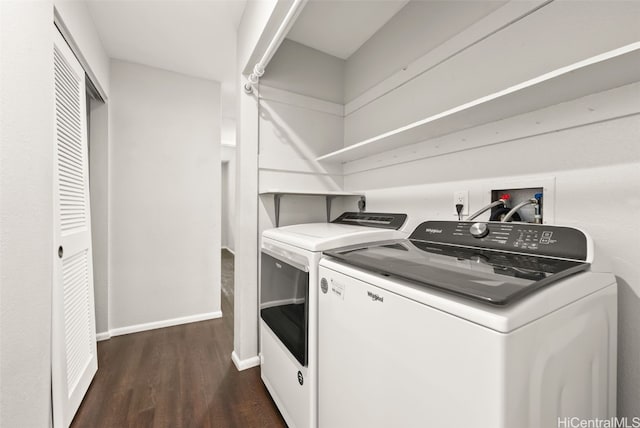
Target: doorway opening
227	255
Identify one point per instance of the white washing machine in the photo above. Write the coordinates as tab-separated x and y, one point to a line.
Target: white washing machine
289	304
483	325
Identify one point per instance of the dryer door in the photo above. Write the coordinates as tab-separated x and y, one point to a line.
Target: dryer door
284	303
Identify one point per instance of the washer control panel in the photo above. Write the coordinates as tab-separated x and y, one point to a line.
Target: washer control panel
538	239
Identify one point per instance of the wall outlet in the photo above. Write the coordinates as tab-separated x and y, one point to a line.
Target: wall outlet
461	197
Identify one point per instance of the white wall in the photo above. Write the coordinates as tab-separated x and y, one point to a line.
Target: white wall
416	29
228	197
258	23
298	124
164	223
302	70
228	131
294	130
224	200
99	192
26	203
594	164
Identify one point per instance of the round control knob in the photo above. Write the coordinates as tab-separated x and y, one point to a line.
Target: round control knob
479	230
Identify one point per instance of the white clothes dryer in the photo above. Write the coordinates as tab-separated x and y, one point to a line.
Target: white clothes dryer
289	303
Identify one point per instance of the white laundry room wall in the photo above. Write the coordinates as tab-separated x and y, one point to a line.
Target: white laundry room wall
405	38
301	118
260	22
586	151
164	188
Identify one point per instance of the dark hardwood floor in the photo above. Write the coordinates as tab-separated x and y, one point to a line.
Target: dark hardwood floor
178	377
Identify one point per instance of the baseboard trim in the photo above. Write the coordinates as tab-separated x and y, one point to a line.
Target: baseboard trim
229	250
247	363
164	323
105	335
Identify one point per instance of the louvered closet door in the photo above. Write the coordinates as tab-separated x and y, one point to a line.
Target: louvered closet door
73	342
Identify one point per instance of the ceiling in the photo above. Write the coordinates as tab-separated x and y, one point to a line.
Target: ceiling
193	37
340	27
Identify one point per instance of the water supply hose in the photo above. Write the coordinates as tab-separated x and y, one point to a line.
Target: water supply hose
532	201
502	201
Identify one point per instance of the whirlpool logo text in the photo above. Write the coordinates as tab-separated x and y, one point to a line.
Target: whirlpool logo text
375	297
429	230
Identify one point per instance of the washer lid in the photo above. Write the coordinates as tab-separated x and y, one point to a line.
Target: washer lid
324	236
489	276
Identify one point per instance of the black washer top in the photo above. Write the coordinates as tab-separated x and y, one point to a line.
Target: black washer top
500	268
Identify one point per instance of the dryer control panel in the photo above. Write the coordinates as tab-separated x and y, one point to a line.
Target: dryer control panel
380	220
537	239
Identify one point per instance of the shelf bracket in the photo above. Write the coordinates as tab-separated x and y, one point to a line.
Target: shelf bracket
277	196
329	200
276	204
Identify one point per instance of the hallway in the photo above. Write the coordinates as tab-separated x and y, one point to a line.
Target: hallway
178	377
